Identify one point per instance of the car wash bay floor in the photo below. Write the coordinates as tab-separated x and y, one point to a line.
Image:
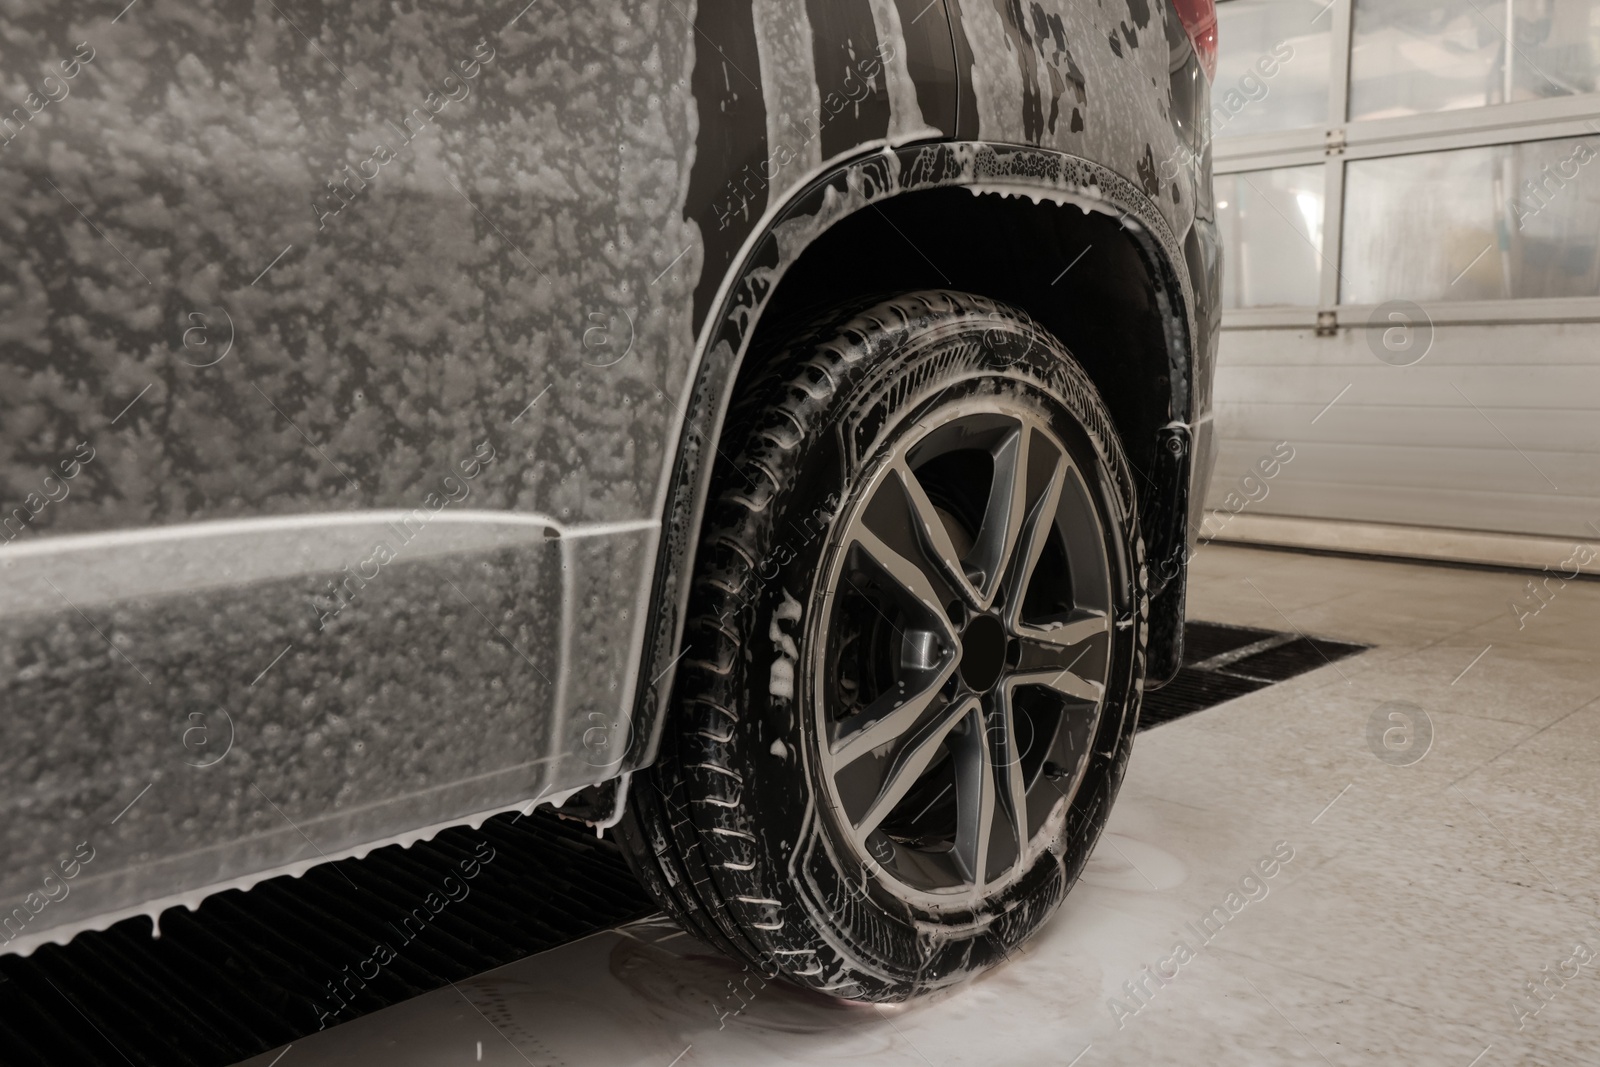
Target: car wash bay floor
1422	896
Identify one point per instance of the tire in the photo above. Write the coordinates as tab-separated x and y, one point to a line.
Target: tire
831	654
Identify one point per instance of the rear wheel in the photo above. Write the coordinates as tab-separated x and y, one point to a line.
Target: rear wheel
915	654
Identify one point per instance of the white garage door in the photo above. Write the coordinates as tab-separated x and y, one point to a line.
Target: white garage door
1409	193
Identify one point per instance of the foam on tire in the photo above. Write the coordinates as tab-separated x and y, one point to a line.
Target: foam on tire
723	828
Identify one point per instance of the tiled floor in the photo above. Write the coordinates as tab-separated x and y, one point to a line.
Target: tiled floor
1421	897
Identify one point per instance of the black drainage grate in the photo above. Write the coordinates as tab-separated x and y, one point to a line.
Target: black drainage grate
1223	662
251	971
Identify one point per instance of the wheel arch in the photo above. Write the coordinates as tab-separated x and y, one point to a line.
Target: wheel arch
956	215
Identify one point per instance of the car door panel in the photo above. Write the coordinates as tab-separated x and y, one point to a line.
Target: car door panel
373	322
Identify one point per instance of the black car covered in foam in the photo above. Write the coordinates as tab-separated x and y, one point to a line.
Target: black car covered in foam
772	431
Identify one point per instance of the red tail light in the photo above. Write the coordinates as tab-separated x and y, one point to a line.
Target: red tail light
1200	20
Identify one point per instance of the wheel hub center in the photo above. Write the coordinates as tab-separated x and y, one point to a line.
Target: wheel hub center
983	652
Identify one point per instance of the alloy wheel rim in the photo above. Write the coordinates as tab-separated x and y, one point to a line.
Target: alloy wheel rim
963	652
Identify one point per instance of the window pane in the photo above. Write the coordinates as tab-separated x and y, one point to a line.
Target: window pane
1271	223
1414	56
1475	224
1272	70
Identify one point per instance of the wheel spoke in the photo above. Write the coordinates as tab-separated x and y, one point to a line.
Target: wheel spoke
1006	754
1002	516
1062	680
975	800
888	536
909	761
1077	628
931	527
889	717
1036	527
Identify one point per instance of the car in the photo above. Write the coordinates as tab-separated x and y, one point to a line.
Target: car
771	433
